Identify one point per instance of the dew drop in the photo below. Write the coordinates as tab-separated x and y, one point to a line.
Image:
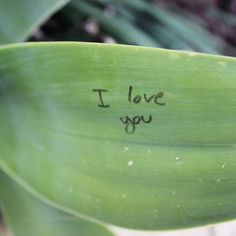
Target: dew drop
130	163
222	63
192	54
174	56
223	165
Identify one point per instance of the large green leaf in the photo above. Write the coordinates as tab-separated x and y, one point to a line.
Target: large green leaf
18	19
28	216
178	171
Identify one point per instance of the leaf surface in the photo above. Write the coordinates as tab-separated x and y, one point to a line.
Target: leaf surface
177	171
26	216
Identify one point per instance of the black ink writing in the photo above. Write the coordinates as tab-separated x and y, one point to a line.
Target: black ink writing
100	91
132	122
138	98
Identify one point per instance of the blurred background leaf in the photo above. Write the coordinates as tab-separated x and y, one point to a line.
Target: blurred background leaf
184	25
18	19
203	26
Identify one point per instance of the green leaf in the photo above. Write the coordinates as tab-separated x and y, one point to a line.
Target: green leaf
193	33
18	20
177	171
131	27
116	25
28	216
